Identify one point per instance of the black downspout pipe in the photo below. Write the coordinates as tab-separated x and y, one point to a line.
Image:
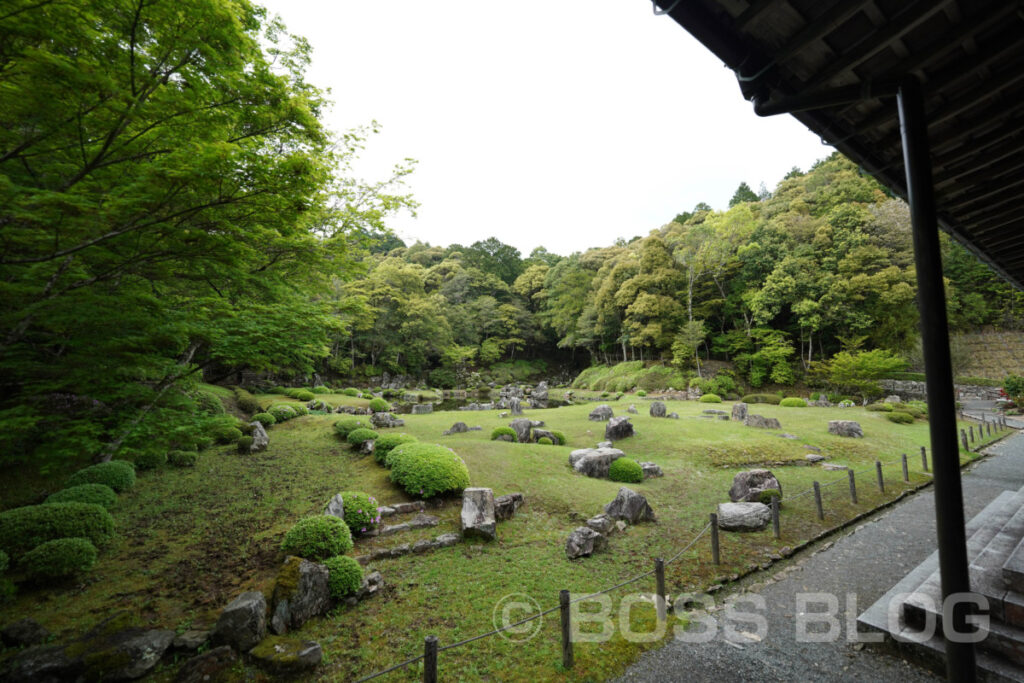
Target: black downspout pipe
931	301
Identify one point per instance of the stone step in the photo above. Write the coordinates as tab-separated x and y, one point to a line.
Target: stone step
1013	569
982	530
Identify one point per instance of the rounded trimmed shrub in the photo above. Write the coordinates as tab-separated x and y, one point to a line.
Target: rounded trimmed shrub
317	538
97	494
22	529
379	405
265	419
710	398
282	412
503	431
300	410
900	417
360	511
386	442
151	460
245	445
793	402
767	495
225	434
59	558
345	576
367	395
545	441
879	407
321	389
427	470
559	436
357	437
186	458
350	391
246	401
300	394
117	474
773	399
348	424
208	403
641	393
626	470
913	410
845	403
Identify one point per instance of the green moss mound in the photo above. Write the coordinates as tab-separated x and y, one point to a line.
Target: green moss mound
60	558
379	405
265	419
348	424
186	458
385	443
773	399
427	470
626	470
97	494
545	441
503	431
357	437
900	417
117	474
710	398
24	528
282	412
151	460
346	575
246	402
245	445
559	436
318	537
767	495
793	402
361	514
351	391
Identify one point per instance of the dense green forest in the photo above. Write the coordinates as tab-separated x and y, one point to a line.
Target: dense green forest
172	210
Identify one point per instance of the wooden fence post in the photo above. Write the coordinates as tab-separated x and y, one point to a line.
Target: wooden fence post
660	600
906	473
970	432
714	539
430	660
988	428
881	481
775	517
817	500
563	604
924	458
963	440
853	486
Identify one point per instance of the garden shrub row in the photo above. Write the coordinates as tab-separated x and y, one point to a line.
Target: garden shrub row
773	399
24	528
247	403
793	402
96	494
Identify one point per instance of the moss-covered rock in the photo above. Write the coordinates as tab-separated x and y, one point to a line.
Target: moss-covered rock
284	655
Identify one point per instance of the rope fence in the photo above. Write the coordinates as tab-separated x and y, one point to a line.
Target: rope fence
432	649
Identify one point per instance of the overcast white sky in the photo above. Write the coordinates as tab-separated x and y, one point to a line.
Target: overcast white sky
541	122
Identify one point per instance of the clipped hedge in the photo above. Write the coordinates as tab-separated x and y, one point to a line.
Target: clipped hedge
59	558
360	511
22	529
427	470
246	402
626	470
348	424
710	398
879	407
282	412
185	458
350	391
345	576
900	417
151	460
773	399
357	437
265	419
97	494
117	474
321	389
379	405
545	441
503	431
317	538
793	402
386	442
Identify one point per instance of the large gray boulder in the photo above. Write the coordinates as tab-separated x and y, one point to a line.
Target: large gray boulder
762	422
845	428
457	428
651	470
422	408
602	524
657	409
260	440
743	516
632	409
515	405
583	541
385	420
630	506
601	413
243	623
285	656
739	411
747	486
478	513
539	434
540	392
506	506
122	655
23	632
618	428
301	592
594	462
212	665
522	428
335	506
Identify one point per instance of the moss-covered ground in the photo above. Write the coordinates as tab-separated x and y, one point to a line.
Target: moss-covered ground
190	539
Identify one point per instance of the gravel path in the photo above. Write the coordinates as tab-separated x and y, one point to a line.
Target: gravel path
857	568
